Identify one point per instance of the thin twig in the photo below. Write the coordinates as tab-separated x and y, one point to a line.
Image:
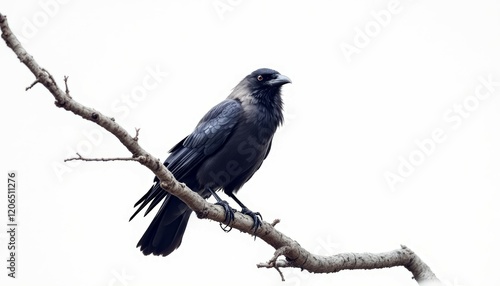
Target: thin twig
80	158
281	273
66	84
279	263
272	263
275	222
136	137
32	85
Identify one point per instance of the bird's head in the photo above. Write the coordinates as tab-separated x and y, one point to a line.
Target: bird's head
263	79
263	84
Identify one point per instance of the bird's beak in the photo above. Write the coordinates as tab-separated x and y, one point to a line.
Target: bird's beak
279	80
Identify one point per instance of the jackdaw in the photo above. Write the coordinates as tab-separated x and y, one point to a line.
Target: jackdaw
223	152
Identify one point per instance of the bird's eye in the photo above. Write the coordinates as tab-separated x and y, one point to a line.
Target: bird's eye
260	77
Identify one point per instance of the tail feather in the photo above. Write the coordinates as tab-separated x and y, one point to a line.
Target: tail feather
155	194
165	232
158	198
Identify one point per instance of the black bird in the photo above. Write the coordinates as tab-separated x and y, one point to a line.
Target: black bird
226	148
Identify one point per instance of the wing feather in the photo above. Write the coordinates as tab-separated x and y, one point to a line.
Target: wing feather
210	134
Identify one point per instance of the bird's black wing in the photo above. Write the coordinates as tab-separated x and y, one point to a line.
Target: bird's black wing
209	135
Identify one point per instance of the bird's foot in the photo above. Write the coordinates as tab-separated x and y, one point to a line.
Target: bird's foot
228	215
256	217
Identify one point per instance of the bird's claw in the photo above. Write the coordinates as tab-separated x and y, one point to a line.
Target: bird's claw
228	216
256	217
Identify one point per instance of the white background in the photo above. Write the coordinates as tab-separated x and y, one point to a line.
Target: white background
349	120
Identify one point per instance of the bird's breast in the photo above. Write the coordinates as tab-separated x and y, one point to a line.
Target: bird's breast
238	159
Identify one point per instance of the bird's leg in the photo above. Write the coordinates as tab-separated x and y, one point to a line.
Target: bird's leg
256	217
228	211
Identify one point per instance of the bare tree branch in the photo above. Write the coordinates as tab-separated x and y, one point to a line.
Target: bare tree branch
295	255
328	264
